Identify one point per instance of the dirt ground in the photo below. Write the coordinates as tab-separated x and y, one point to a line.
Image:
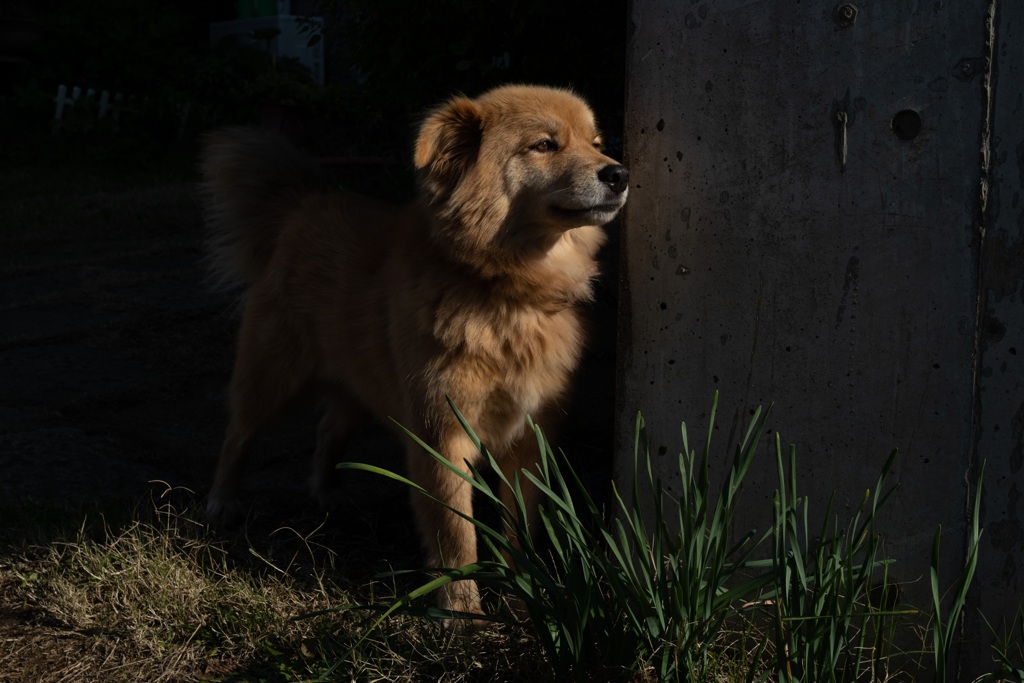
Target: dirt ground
114	358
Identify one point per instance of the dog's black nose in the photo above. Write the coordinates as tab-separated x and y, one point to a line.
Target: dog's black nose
615	176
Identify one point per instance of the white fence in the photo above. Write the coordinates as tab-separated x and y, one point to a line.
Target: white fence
69	97
105	105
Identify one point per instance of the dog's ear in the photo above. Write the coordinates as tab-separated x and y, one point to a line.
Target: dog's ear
447	145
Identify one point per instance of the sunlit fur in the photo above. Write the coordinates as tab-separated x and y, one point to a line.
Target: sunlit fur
470	292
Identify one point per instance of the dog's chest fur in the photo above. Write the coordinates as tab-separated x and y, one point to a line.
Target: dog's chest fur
502	363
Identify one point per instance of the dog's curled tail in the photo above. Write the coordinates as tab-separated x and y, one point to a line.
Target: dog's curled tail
252	179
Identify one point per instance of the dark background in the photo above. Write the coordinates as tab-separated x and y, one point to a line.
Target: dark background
386	62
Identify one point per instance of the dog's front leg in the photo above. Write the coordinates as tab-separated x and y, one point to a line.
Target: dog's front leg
448	538
524	455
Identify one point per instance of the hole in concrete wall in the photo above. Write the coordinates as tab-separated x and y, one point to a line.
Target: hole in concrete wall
906	124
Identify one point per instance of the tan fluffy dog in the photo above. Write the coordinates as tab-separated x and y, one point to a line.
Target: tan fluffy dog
470	292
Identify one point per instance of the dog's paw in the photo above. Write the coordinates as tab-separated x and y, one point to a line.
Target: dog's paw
462	597
324	492
223	512
465	626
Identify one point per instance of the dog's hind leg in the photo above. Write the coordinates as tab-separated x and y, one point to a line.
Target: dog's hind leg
222	505
342	416
270	372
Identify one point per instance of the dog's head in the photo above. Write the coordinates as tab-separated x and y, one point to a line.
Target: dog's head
521	158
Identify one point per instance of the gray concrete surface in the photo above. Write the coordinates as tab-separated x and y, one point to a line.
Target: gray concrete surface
790	239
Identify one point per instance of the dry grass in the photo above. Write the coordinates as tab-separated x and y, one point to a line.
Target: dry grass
156	599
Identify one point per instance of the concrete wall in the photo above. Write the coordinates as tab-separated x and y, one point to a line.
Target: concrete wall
999	585
851	273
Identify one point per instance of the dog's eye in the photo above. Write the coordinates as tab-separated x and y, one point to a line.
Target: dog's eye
599	144
545	145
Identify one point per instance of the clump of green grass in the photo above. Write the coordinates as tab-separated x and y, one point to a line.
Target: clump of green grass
675	594
1008	651
945	629
625	597
830	599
